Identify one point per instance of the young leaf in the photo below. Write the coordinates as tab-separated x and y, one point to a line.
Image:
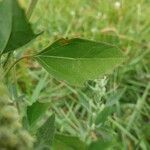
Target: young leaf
77	60
65	142
46	132
35	111
16	27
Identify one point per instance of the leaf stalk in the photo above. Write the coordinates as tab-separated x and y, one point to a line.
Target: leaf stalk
6	72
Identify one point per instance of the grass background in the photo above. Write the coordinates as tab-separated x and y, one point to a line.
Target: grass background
114	109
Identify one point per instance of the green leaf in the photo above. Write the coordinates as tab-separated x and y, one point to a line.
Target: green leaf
15	29
5	22
45	133
77	60
100	145
103	115
36	111
65	142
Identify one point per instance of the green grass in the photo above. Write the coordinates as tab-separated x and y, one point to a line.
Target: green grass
114	109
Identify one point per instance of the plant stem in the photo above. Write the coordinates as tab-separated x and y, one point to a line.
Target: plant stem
31	7
7	59
6	72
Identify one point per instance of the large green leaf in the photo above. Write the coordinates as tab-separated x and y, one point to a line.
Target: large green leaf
77	60
5	22
15	28
36	111
45	133
65	142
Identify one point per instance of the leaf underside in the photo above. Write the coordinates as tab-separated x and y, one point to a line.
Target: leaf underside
77	60
15	28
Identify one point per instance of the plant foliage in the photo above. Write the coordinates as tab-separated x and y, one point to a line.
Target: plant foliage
15	29
78	60
73	60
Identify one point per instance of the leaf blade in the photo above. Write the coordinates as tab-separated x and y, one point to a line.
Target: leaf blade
45	133
77	60
20	32
100	145
5	23
35	111
65	142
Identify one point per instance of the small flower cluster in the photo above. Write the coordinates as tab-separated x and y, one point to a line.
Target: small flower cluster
12	135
